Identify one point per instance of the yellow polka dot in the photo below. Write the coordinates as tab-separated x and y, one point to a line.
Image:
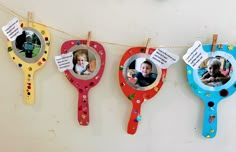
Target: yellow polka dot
230	47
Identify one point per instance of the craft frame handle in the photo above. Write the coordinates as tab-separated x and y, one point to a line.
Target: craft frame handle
135	118
210	120
83	107
29	87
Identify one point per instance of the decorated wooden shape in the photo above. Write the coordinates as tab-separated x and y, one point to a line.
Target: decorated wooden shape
89	63
140	79
213	81
30	51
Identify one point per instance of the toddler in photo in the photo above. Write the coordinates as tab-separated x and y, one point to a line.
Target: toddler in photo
28	47
214	77
81	64
145	77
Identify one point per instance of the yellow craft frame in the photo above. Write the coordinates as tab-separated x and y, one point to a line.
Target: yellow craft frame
30	68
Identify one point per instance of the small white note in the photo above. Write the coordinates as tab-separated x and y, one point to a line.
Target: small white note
195	55
163	58
64	62
12	29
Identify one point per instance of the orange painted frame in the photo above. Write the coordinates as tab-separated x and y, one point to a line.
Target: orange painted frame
137	97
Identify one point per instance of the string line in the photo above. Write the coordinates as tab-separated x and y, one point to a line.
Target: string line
103	42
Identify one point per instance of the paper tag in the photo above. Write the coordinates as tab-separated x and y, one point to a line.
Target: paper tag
12	29
64	62
163	58
195	55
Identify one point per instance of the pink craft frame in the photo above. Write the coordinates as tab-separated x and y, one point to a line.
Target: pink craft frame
83	86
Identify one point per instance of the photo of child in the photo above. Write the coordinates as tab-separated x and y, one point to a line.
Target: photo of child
141	72
28	44
218	71
83	64
28	47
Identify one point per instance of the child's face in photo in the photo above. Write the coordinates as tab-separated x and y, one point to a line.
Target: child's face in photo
81	60
145	69
213	70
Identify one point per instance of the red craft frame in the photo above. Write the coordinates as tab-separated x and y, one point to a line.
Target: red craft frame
137	97
81	85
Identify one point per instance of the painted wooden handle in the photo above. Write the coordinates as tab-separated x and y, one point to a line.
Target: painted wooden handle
83	107
135	118
210	120
29	88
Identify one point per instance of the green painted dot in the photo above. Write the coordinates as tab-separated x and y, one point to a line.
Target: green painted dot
78	42
199	92
189	71
193	86
9	49
121	67
131	97
48	43
163	79
139	118
208	94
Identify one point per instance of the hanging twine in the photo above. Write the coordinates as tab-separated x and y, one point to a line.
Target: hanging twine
103	42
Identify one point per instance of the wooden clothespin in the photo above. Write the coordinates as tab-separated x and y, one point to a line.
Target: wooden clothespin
214	41
147	45
29	19
89	38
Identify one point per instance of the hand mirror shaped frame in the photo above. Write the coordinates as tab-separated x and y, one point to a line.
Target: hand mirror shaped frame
83	79
30	51
138	92
213	90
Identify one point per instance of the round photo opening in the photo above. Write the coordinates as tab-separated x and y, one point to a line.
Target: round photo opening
215	71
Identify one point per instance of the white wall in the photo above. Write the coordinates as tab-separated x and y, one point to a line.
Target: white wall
172	120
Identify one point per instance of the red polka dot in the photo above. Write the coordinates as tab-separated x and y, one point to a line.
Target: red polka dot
39	63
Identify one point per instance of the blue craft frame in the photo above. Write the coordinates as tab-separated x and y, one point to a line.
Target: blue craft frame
211	96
